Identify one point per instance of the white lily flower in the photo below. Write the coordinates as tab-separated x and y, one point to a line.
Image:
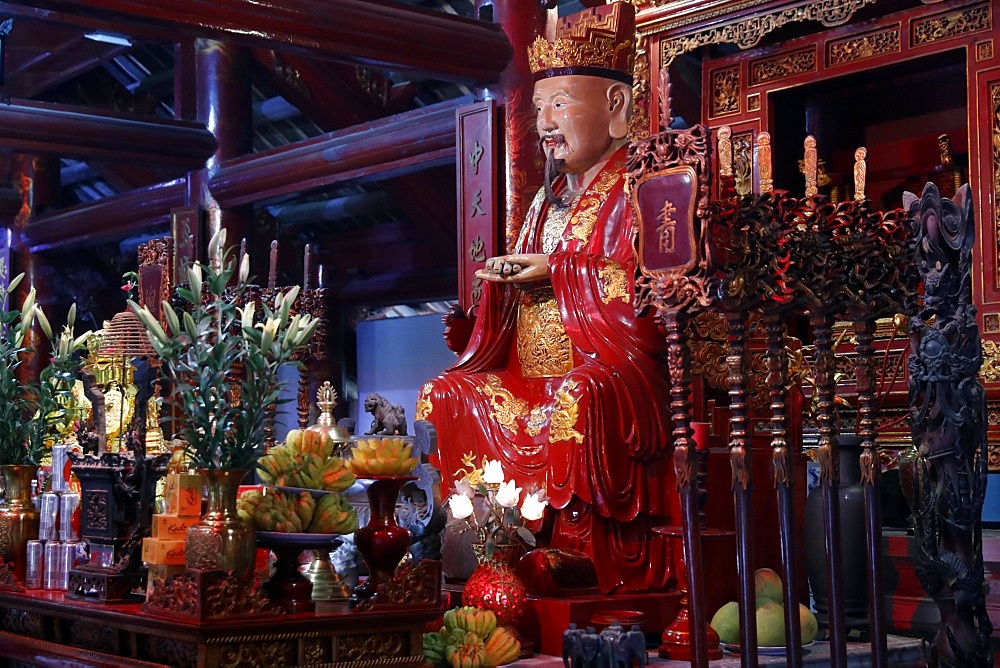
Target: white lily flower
533	506
492	472
508	494
460	505
464	488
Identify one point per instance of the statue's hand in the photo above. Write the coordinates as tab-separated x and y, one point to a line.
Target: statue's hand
526	268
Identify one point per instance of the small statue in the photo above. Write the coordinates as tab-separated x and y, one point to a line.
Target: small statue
389	419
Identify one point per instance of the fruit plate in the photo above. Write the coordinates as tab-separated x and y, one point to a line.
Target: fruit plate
763	651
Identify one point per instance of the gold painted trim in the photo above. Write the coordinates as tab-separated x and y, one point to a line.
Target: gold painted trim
747	32
984	51
864	46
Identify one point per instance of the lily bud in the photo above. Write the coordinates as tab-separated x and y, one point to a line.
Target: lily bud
71	316
43	321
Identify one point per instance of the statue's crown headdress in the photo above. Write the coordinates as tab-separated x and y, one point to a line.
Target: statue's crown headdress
599	42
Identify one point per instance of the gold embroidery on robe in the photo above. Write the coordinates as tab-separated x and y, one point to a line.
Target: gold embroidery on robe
424	405
554	227
543	347
536	421
564	415
614	284
506	407
585	217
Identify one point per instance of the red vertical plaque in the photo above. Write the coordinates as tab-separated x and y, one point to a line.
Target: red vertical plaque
665	203
478	228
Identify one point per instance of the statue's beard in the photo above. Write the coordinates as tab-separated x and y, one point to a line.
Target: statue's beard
553	168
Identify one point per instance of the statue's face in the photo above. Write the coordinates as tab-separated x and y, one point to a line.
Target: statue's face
573	119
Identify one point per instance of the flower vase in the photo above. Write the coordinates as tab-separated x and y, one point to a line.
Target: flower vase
221	540
494	584
19	517
382	542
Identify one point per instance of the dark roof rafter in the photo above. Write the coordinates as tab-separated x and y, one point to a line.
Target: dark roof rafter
34	127
375	33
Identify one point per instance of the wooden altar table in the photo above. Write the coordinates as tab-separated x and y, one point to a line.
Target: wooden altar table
40	628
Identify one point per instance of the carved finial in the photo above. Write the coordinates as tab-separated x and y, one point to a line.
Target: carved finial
764	162
272	270
810	170
944	146
860	170
326	397
663	92
725	151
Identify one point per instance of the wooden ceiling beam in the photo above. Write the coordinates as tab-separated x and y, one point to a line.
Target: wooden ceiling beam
374	33
50	129
139	210
381	149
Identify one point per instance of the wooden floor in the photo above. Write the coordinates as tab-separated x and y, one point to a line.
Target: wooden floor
903	652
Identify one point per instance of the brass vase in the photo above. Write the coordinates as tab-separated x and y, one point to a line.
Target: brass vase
221	540
18	516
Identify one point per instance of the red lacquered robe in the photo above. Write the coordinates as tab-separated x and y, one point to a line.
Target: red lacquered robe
568	389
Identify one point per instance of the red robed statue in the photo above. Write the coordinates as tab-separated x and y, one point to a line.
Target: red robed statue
560	380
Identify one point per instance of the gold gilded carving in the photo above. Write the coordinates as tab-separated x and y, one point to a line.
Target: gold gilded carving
951	24
585	217
370	646
989	372
564	417
259	654
638	124
726	91
424	405
860	173
860	47
506	408
764	162
782	65
810	168
543	346
984	51
991	323
614	283
537	420
995	112
708	361
743	162
753	102
7	534
725	150
314	652
747	33
555	223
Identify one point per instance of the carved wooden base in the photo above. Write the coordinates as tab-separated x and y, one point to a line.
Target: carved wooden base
411	586
107	586
200	595
40	627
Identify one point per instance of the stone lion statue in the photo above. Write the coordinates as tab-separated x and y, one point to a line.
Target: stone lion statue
389	419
